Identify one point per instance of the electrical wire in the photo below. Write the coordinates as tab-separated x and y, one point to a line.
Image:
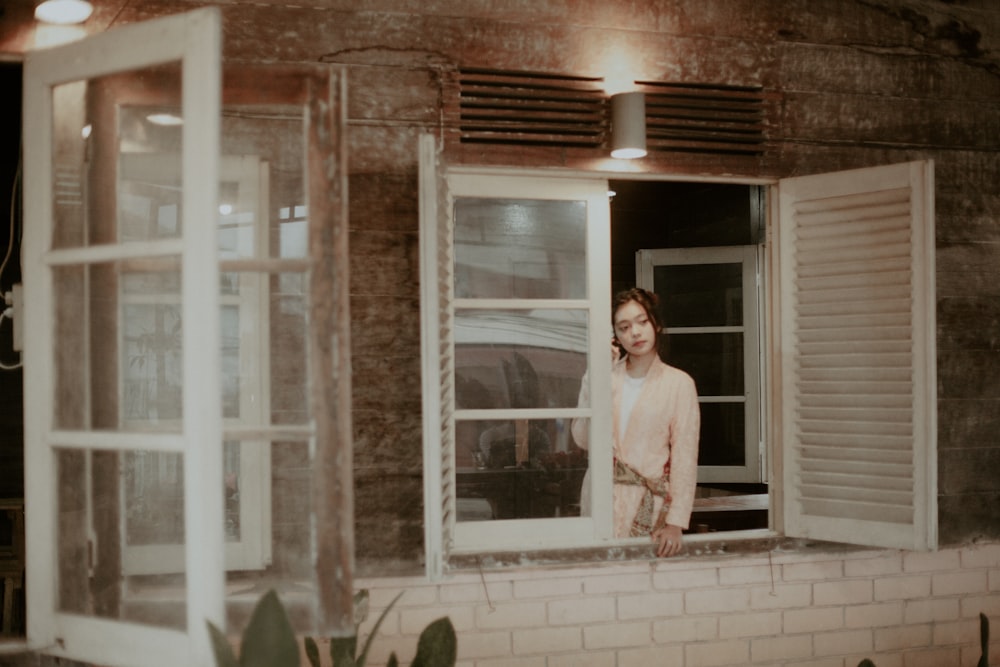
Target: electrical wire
13	218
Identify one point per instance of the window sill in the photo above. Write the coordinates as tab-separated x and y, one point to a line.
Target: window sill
696	545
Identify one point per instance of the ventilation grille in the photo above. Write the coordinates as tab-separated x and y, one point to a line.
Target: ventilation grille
534	109
704	118
524	108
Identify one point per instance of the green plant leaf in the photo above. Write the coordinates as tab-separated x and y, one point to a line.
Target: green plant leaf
393	661
312	651
269	640
224	656
371	635
866	663
360	608
342	650
984	640
437	646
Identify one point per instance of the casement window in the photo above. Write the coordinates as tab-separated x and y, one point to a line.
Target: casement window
712	311
835	403
187	342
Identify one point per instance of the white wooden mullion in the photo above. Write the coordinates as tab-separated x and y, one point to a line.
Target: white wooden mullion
85	639
117	441
204	512
40	526
112	252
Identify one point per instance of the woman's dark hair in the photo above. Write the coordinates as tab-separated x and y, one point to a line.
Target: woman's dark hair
646	299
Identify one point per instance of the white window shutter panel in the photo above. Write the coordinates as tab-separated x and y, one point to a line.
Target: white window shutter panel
856	347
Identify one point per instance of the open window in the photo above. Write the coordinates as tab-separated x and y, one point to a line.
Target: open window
784	454
188	363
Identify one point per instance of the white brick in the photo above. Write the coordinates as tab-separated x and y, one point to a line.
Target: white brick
650	605
413	621
871	567
718	600
780	648
781	596
841	643
583	659
617	583
475	592
543	640
929	610
511	615
985	555
654	655
874	615
820	662
903	637
617	635
714	654
548	588
752	574
964	632
685	629
913	587
413	596
934	657
846	591
994	580
973	605
672	580
815	619
473	645
584	610
816	571
756	624
510	662
959	583
932	561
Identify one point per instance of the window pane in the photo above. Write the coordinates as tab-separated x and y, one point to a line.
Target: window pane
520	248
105	497
519	359
700	295
517	469
722	435
715	361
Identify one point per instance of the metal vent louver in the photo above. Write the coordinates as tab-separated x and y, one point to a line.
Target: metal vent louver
704	118
529	108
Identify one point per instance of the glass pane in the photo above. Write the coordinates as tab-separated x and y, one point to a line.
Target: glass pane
93	523
715	361
517	469
519	359
96	133
700	295
520	248
723	441
288	350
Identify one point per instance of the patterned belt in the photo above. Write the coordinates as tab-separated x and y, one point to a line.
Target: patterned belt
642	524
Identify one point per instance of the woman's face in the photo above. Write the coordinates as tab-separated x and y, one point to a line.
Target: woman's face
634	329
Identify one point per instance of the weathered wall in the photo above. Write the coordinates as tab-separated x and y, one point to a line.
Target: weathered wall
859	83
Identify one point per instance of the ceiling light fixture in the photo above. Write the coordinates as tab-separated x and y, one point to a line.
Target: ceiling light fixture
63	12
628	125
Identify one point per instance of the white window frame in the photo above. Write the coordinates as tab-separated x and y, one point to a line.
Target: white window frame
194	40
252	551
438	360
748	259
777	310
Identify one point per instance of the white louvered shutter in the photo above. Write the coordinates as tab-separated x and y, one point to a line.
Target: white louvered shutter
857	356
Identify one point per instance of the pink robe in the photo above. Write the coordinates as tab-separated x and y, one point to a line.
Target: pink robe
662	430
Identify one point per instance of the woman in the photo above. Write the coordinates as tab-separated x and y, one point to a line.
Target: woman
655	421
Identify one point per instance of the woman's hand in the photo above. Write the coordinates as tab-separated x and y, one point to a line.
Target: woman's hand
668	540
617	351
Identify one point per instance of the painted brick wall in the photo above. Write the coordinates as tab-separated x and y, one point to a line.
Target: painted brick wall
815	609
